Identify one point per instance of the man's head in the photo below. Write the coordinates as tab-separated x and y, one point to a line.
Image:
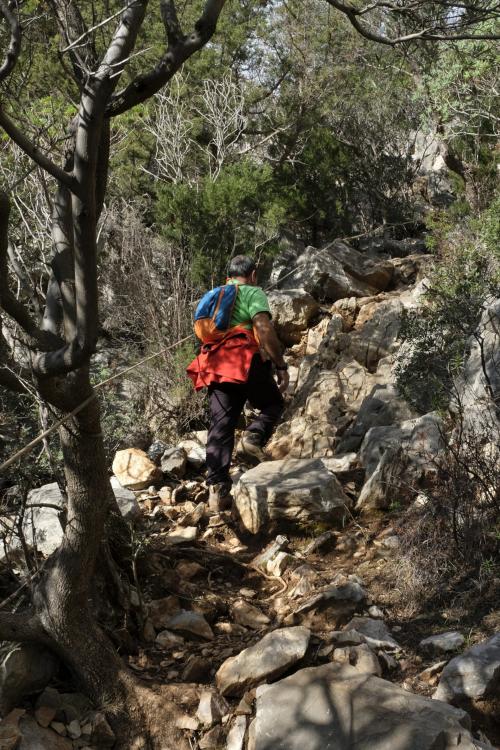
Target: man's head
243	268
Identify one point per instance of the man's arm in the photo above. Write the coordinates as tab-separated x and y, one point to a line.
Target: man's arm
272	346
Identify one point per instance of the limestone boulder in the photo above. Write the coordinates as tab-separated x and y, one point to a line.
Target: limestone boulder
384	406
405	459
41	520
266	660
481	376
334	272
375	332
134	470
292	310
336	707
473	675
297	490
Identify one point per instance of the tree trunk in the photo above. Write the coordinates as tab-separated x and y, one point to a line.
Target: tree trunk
63	597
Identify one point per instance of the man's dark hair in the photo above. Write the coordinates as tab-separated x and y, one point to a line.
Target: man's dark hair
241	265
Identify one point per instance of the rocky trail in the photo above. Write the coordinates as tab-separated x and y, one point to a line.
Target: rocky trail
283	623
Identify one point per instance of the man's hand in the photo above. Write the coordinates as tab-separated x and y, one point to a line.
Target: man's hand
272	346
283	380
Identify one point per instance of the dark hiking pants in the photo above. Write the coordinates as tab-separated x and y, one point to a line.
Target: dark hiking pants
226	404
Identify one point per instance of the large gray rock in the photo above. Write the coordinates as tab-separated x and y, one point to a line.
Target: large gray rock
406	460
334	272
375	332
384	406
25	669
292	310
298	490
442	643
473	675
266	660
480	384
336	707
42	523
374	632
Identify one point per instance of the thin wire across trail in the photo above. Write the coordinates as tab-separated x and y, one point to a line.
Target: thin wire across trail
27	448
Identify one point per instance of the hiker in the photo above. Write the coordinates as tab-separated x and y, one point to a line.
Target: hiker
235	363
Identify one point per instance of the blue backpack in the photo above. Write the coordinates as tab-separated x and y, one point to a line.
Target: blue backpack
213	315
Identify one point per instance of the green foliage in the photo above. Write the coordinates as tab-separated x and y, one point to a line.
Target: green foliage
217	219
465	276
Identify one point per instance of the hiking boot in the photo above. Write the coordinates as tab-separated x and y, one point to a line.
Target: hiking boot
219	496
251	446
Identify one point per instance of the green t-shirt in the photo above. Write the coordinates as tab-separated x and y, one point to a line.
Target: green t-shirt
250	301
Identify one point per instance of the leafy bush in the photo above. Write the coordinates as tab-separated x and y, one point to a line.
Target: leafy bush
437	337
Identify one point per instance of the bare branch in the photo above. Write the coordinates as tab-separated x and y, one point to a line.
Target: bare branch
88	32
457	23
29	148
15	40
146	85
12	306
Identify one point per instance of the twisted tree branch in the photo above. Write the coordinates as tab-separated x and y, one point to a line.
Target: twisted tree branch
179	49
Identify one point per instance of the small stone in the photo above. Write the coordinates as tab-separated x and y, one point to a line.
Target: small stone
247	614
165	495
211	708
230	628
181	534
442	643
194	517
174	461
375	633
248	593
325	651
45	715
265	660
375	612
191	622
74	729
165	638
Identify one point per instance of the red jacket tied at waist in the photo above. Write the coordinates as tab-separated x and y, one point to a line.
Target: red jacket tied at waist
227	361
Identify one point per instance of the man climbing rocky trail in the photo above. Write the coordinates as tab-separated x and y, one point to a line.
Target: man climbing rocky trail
282	623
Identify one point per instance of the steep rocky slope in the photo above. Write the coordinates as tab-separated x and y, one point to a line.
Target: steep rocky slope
282	624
